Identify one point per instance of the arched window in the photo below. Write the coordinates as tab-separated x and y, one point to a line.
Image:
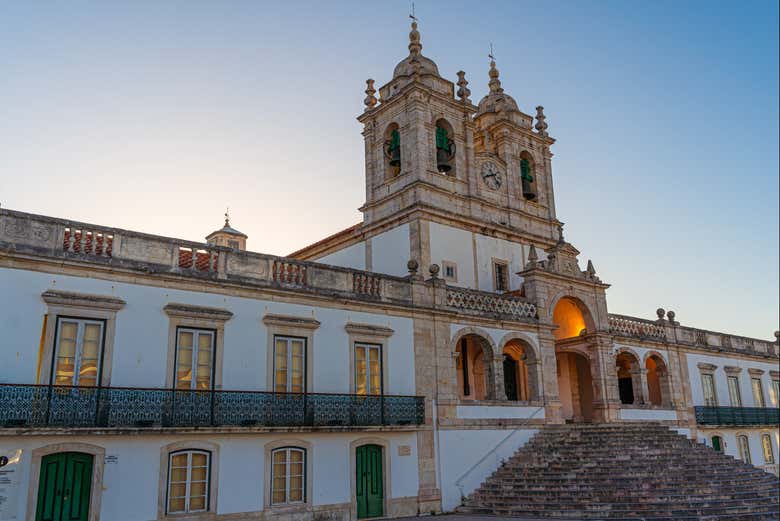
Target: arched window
527	176
717	444
189	476
520	372
475	373
629	383
445	148
392	150
769	453
288	476
658	390
744	448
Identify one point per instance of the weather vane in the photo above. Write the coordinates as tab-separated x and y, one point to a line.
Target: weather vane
412	16
227	216
491	52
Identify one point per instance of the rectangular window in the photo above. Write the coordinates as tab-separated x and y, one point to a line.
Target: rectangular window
289	364
450	271
708	386
501	276
188	481
734	396
194	358
766	444
776	392
288	476
368	369
744	449
79	350
758	392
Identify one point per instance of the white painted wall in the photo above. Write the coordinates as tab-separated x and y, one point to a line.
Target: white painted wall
463	452
130	486
489	248
498	412
453	245
390	252
141	342
721	384
648	414
754	441
353	256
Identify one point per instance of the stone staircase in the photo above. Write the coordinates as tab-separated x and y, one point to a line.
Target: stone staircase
636	471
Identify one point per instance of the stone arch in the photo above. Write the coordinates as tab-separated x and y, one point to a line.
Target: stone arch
392	150
476	355
96	493
444	146
628	371
528	176
659	390
570	313
575	383
521	367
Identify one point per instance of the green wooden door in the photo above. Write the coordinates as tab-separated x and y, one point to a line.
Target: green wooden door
63	490
370	490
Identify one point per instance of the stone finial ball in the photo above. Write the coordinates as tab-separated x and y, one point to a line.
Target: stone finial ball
670	315
660	312
412	265
434	269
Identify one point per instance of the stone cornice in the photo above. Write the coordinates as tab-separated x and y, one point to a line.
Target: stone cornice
82	300
270	319
174	309
354	328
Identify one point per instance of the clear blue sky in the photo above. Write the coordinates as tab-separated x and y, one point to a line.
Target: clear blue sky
156	115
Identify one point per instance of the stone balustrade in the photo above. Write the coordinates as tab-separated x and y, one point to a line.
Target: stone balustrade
490	303
636	327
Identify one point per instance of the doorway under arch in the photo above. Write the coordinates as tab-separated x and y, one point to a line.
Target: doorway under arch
520	371
475	368
575	386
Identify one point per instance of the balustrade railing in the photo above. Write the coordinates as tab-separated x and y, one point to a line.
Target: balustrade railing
630	326
366	284
767	416
87	242
41	406
485	302
292	273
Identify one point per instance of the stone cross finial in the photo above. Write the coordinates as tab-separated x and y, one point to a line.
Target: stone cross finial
463	90
541	125
370	101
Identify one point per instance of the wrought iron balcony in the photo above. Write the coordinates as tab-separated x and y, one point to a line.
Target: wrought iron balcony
36	406
737	415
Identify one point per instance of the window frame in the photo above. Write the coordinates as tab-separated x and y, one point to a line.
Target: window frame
735	395
304	492
767	449
759	400
744	449
213	487
304	377
197	331
497	265
369	334
368	346
776	392
81	325
267	488
705	377
289	326
188	481
449	265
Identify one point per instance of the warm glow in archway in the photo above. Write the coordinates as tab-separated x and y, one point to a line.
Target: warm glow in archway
569	319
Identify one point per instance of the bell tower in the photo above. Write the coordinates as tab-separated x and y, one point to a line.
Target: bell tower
418	136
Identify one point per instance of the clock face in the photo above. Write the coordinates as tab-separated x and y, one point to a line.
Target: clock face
491	175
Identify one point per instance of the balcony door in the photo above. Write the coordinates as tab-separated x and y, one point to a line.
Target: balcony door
64	487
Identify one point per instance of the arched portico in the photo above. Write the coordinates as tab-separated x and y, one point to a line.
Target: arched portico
630	377
522	368
478	367
659	391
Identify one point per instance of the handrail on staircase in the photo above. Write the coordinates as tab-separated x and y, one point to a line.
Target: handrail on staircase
459	481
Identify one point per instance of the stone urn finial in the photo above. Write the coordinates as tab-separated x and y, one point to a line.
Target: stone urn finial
412	266
670	315
532	257
434	271
463	90
777	337
541	125
660	312
370	101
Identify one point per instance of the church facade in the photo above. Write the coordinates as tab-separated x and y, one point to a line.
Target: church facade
384	371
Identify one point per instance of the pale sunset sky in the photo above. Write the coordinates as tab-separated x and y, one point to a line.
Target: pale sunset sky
155	116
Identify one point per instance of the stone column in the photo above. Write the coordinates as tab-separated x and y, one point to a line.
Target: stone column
499	392
639	381
547	383
606	395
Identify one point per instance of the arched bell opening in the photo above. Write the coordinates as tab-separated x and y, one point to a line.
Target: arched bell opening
658	388
527	176
520	364
392	151
629	378
475	372
445	147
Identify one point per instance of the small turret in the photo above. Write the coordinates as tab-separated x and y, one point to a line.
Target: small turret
227	236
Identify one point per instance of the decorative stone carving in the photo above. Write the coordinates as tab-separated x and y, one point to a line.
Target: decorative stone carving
370	101
670	315
660	312
434	270
541	125
463	90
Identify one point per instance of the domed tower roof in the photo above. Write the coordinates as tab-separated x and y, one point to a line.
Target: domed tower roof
415	62
227	236
496	100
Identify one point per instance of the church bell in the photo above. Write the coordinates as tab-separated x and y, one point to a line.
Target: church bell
395	156
444	159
